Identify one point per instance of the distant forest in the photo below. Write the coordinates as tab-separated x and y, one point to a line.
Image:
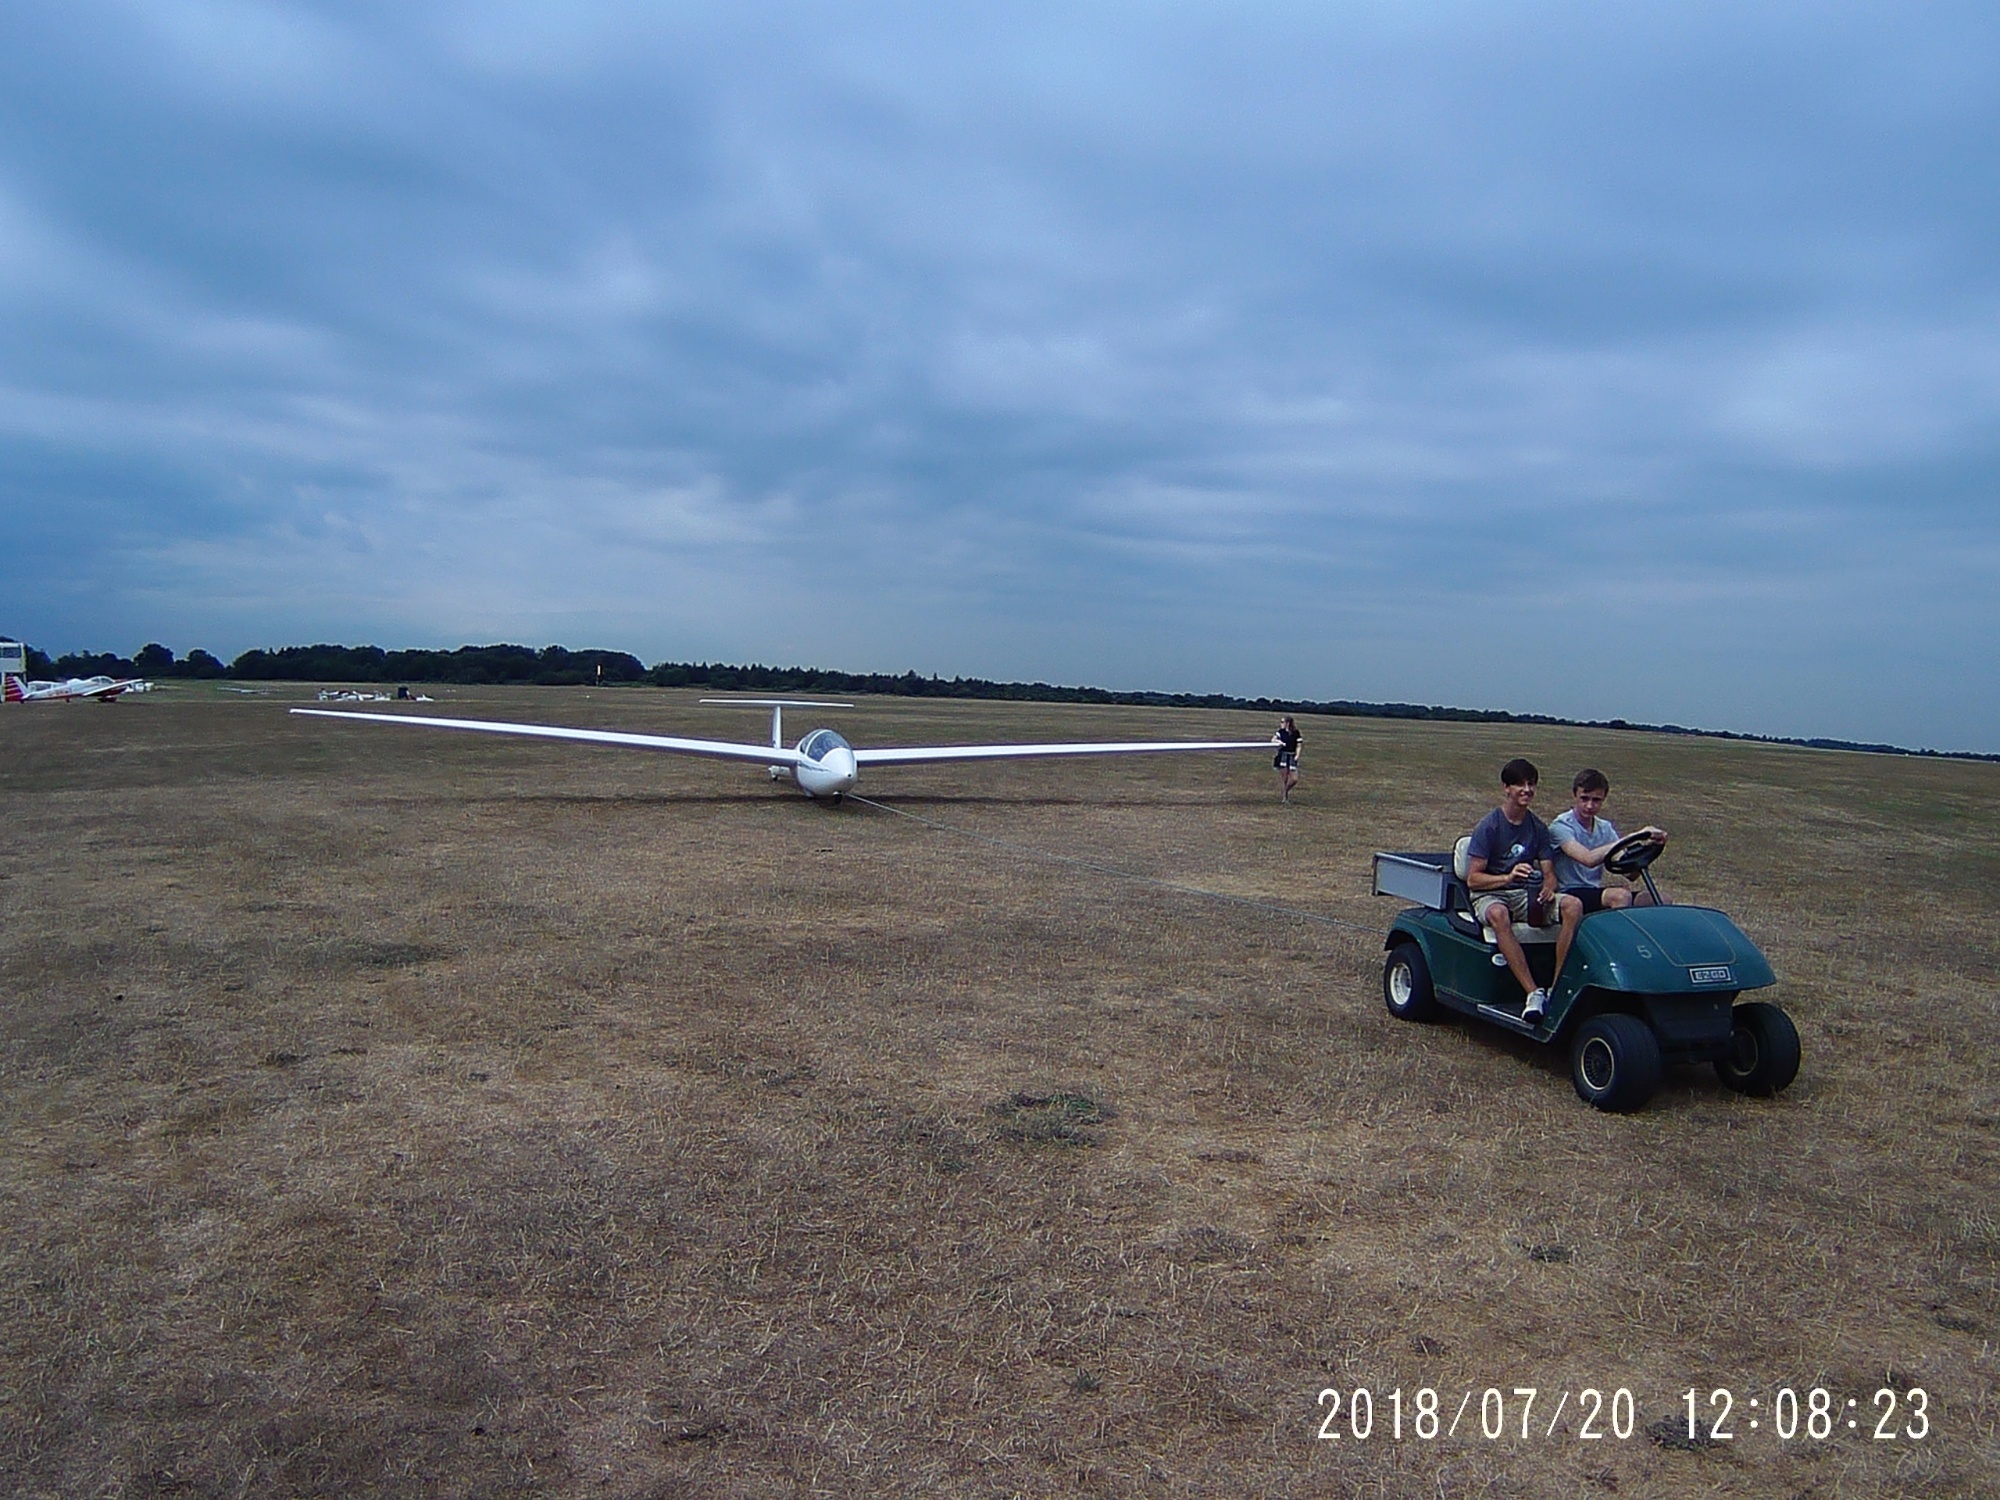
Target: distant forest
556	666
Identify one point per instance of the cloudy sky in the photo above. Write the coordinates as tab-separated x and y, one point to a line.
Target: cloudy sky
1319	350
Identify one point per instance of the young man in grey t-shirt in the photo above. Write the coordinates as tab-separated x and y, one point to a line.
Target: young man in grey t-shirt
1582	838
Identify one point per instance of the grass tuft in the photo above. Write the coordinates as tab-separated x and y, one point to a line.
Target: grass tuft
1058	1119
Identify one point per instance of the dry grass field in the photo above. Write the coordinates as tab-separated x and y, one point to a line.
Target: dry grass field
390	1112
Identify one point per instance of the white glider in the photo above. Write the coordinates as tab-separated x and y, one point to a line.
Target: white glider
823	764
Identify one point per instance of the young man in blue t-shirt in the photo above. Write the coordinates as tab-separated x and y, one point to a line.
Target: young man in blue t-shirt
1510	870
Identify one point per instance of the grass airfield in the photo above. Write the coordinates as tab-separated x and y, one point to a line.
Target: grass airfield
391	1112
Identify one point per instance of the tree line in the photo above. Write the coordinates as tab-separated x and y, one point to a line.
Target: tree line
467	666
557	666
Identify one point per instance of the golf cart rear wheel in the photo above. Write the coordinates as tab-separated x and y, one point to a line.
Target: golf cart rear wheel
1406	985
1615	1063
1763	1054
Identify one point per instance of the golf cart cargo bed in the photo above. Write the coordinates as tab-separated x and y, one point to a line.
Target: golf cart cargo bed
1422	878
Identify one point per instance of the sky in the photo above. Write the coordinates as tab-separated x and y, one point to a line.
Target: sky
1635	362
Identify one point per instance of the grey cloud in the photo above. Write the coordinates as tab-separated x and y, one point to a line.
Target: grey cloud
1036	341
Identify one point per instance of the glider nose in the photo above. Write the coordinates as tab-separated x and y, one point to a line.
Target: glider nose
844	772
829	774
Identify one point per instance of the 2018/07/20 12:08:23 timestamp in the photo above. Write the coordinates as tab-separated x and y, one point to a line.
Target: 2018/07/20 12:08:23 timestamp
1815	1415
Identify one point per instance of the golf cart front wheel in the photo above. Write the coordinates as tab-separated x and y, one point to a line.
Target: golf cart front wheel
1763	1055
1406	985
1615	1063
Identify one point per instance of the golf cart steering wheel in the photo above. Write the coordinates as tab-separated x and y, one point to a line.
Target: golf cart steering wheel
1631	854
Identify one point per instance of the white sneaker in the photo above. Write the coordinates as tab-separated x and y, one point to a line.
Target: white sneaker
1538	1002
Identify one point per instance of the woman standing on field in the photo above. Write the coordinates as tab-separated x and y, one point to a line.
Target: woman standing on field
1287	739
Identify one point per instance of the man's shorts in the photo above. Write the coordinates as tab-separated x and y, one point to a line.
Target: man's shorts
1521	902
1592	897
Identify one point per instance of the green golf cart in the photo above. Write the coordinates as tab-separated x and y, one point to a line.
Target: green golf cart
1643	987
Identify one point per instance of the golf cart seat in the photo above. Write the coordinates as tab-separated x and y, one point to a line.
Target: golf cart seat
1522	931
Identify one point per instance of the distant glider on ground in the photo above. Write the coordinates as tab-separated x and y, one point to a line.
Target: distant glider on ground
823	764
76	690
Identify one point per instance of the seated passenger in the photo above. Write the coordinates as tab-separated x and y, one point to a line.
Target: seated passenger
1582	839
1510	870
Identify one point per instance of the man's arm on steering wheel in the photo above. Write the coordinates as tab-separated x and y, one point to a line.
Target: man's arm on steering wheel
1588	858
1591	858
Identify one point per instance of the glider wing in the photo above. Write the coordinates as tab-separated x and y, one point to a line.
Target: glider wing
763	755
921	754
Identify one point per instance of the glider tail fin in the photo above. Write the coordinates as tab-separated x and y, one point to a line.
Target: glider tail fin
14	693
777	707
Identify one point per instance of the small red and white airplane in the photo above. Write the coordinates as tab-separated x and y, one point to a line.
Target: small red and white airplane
76	690
822	764
15	687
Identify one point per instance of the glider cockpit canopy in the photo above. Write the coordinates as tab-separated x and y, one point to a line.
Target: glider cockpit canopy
816	746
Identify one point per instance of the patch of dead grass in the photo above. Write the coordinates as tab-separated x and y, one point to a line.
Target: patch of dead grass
404	1114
